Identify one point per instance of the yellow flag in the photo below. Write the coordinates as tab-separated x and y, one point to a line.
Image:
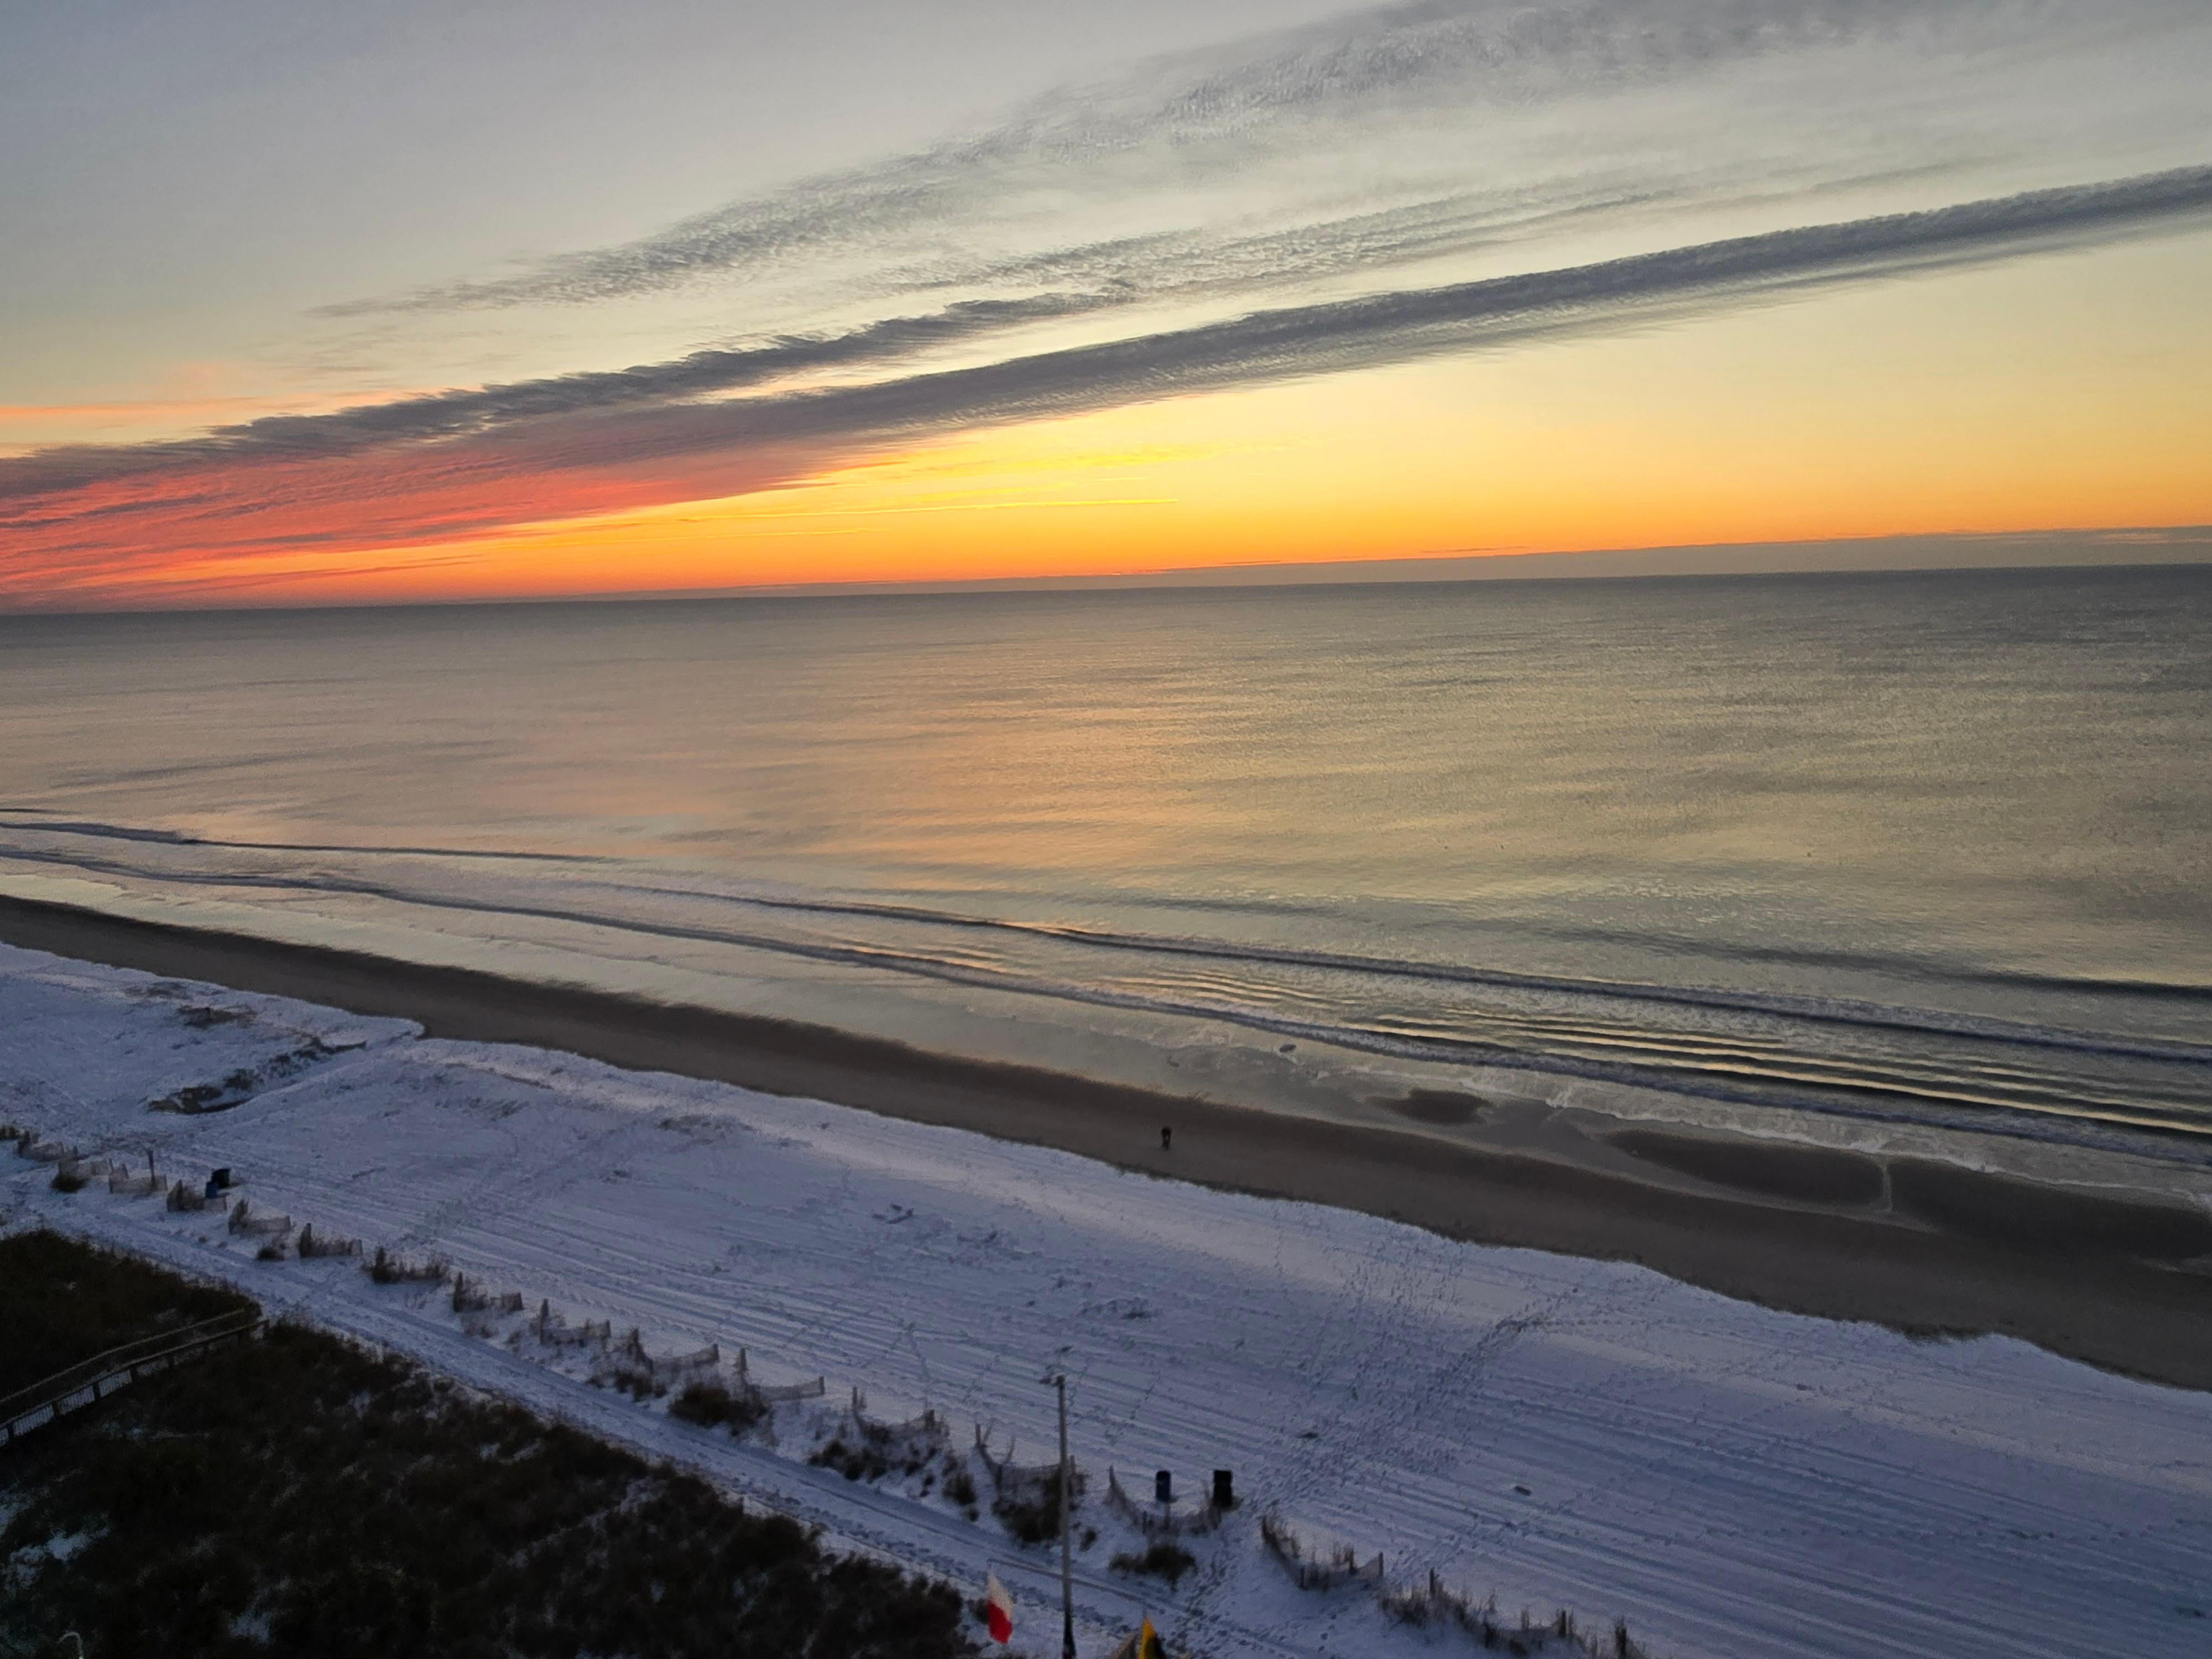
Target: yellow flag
1148	1641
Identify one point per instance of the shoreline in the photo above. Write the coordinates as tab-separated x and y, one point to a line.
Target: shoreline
1928	1248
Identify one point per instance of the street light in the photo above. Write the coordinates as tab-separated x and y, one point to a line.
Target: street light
1058	1380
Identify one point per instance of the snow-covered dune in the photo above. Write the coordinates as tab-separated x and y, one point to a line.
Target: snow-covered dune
1564	1433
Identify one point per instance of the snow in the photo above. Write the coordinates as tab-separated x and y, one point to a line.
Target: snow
1561	1433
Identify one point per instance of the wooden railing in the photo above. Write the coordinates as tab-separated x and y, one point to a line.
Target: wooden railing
43	1401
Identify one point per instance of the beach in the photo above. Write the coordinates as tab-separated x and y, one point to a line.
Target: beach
1393	814
1918	1246
1532	1432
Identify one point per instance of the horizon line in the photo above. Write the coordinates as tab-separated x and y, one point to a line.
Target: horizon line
2144	546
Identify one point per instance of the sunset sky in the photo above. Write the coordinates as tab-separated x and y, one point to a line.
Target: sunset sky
308	302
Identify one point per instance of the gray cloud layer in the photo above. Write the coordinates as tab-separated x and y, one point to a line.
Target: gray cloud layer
464	413
1302	340
1205	121
651	412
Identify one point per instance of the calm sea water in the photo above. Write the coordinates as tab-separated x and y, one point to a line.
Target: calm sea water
1911	848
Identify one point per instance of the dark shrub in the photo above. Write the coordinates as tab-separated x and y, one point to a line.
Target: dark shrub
862	1462
710	1403
1165	1559
1031	1511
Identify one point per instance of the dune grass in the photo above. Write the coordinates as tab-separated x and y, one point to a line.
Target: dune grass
297	1495
65	1302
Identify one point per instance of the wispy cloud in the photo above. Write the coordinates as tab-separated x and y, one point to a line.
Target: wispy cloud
463	462
466	412
1395	327
1449	122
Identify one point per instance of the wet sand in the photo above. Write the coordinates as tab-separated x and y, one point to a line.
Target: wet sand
1929	1248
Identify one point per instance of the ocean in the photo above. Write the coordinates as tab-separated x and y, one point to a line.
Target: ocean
1852	858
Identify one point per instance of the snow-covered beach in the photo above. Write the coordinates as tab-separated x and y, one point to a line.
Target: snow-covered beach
1559	1433
2069	1247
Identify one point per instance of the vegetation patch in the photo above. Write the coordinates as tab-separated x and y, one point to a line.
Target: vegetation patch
297	1495
1164	1560
241	1085
66	1302
712	1404
388	1269
1029	1509
960	1487
860	1459
205	1017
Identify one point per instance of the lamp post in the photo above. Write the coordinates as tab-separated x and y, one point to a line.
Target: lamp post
1066	1556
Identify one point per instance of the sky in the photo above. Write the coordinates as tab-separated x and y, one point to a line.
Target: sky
317	303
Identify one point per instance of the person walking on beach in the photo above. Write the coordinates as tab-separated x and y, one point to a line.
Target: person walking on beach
1167	1136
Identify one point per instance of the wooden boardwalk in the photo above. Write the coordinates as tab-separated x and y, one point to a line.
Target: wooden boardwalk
95	1378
